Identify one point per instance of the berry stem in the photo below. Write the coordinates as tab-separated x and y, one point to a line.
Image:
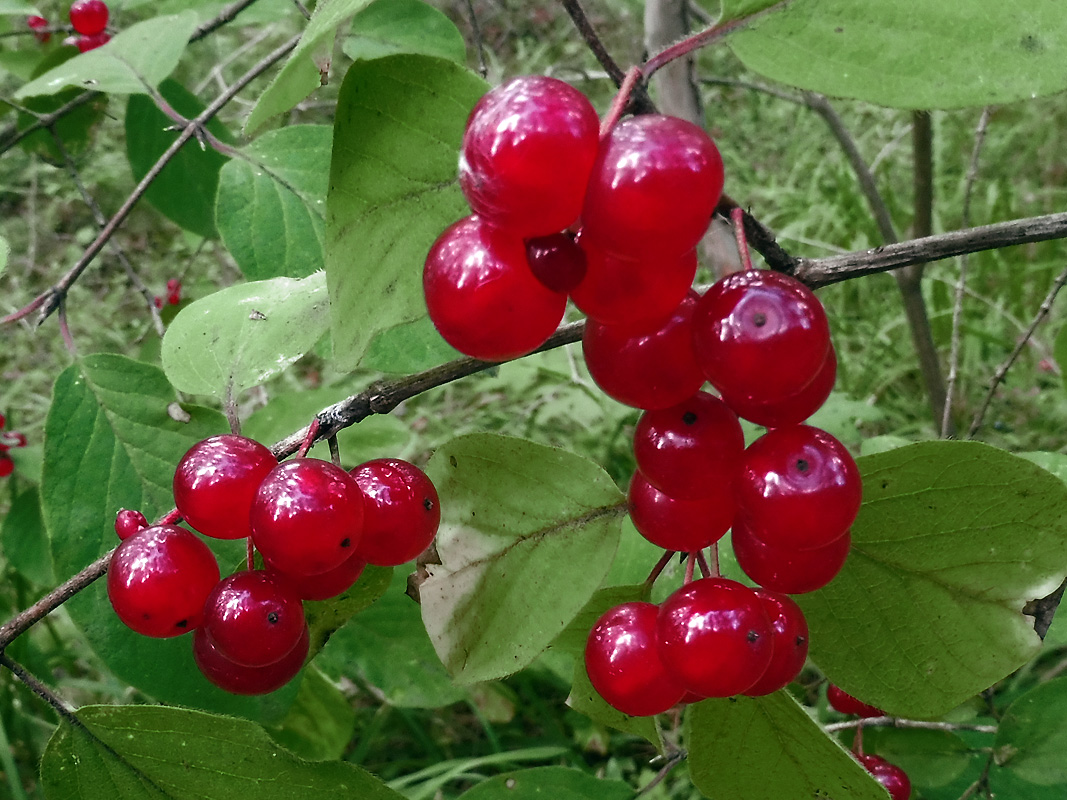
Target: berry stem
250	557
737	217
622	99
705	570
309	440
664	560
857	742
690	562
702	39
335	451
172	517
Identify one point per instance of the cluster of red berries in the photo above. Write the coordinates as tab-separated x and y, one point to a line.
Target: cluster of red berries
8	441
174	294
316	527
611	219
892	777
89	20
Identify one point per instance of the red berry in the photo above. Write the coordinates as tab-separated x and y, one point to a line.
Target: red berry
254	618
692	449
3	421
238	679
787	571
760	335
307	517
482	296
527	153
7	466
790	633
653	189
326	584
157	301
622	661
89	17
401	511
654	369
714	637
216	481
158	580
674	524
893	778
843	702
794	409
128	522
799	488
9	439
87	43
637	293
557	261
37	24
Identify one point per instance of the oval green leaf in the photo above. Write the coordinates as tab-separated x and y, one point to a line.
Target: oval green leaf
390	27
912	53
952	540
768	748
239	337
527	535
393	190
557	783
158	752
185	189
1032	736
135	60
271	207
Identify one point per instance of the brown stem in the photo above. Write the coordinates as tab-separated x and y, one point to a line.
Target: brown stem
39	689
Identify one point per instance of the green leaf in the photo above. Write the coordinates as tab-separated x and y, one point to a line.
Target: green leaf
139	57
768	748
150	751
1056	463
931	758
110	443
320	723
17	7
912	53
387	647
558	783
527	535
271	208
185	190
324	617
389	27
393	190
5	251
408	348
301	74
25	541
739	9
240	336
1033	734
952	540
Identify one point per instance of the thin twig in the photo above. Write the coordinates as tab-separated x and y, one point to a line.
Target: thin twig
40	689
302	9
54	295
1002	370
961	284
225	16
673	761
479	42
895	722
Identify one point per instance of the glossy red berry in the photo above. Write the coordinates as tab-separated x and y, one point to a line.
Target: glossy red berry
760	336
799	488
653	369
714	637
37	25
843	702
653	189
216	481
237	679
893	778
789	630
557	261
692	449
638	293
158	580
307	517
128	522
787	571
527	153
87	43
12	439
174	291
674	524
482	296
623	663
401	511
7	466
793	409
89	17
254	618
327	584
